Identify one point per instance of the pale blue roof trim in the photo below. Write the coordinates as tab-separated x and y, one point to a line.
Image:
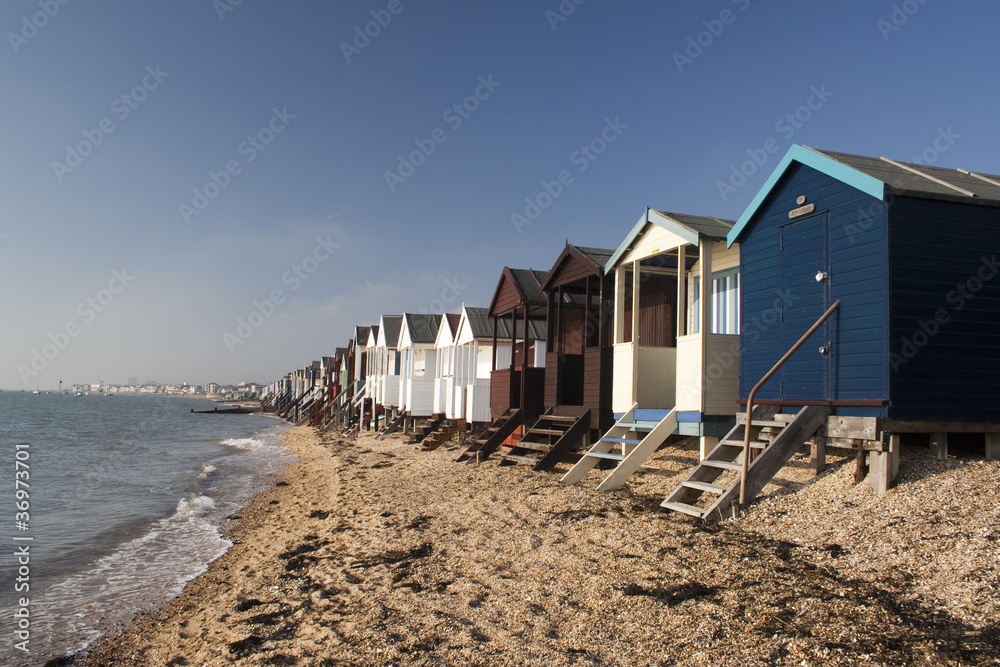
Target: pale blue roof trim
658	219
797	153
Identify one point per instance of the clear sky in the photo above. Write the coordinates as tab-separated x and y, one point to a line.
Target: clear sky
167	168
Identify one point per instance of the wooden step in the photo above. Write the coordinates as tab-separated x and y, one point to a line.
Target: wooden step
536	446
517	458
705	486
725	465
754	444
621	441
545	431
638	425
683	508
559	418
606	455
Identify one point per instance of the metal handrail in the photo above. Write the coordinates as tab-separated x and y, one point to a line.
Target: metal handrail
753	393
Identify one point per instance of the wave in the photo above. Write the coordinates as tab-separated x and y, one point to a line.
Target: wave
194	506
244	443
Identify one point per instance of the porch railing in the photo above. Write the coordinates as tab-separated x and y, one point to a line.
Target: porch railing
756	387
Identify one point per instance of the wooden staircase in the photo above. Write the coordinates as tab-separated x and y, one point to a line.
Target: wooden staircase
445	430
550	440
637	435
712	489
392	427
500	430
426	428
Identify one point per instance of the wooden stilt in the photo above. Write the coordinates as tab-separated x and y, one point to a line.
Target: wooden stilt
817	460
992	446
860	469
707	443
939	445
885	467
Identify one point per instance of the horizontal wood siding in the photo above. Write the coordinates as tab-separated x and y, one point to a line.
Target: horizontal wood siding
597	383
724	258
857	262
944	367
507	298
572	270
390	390
551	379
420	401
501	391
653	240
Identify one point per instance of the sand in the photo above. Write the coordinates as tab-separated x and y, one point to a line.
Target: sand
373	553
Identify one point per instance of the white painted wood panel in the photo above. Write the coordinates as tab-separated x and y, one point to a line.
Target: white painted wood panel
725	258
420	397
653	240
390	391
657	372
621	386
689	373
478	401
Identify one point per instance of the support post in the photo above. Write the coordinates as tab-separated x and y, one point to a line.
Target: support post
817	460
636	280
707	443
992	446
884	467
681	291
939	445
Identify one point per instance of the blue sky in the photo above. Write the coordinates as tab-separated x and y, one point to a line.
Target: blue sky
114	266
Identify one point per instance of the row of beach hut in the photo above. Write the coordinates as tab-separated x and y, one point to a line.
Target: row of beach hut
855	300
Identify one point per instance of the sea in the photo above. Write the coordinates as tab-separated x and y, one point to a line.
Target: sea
110	504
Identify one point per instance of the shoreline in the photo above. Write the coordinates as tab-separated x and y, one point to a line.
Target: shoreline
371	552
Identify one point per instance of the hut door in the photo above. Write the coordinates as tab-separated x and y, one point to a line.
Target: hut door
805	277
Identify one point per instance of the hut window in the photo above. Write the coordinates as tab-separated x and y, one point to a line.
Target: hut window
725	303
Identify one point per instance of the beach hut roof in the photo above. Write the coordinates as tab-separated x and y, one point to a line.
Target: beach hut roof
517	287
590	260
361	335
879	177
691	228
422	328
389	329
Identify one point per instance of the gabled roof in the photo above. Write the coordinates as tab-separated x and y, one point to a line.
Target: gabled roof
527	283
421	328
879	176
480	324
389	326
372	335
593	258
691	228
361	335
448	331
